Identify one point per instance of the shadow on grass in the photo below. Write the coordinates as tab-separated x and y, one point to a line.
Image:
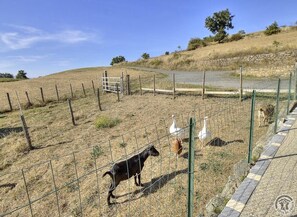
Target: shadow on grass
153	186
219	142
6	131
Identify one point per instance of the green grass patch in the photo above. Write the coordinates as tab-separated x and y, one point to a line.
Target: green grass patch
106	122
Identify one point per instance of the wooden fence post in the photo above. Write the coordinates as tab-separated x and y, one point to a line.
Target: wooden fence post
241	91
28	99
26	132
93	87
140	85
42	96
9	101
118	94
83	87
71	112
173	78
105	81
128	84
122	83
98	99
71	91
57	92
203	85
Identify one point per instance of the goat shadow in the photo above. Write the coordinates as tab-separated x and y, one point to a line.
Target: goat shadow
153	186
219	142
6	131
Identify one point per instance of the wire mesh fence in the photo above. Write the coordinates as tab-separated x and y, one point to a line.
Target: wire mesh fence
71	182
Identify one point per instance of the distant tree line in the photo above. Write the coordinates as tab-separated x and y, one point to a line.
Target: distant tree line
21	75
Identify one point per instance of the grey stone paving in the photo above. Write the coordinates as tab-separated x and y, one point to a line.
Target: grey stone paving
274	175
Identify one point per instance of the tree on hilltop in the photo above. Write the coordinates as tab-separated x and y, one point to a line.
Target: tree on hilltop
117	59
218	23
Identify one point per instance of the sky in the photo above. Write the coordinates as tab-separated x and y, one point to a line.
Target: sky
48	36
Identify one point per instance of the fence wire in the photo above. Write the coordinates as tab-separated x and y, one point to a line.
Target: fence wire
71	183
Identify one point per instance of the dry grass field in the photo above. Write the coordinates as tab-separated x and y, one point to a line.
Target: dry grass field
232	55
64	153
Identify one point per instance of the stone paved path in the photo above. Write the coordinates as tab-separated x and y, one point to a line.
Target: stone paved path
273	176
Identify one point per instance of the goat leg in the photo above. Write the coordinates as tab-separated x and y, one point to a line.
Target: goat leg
140	184
135	180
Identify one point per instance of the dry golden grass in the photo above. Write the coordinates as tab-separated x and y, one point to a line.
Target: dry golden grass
208	58
143	119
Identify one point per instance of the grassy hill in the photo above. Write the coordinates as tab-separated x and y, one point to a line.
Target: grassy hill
259	54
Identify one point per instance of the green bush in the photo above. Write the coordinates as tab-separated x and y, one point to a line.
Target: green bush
167	53
272	29
97	151
195	43
117	59
106	122
21	75
145	56
236	37
208	39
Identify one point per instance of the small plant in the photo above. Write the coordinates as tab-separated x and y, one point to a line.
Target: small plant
97	151
272	29
106	122
204	166
276	44
167	53
123	144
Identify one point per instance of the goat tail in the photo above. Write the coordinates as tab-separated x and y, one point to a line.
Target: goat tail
109	173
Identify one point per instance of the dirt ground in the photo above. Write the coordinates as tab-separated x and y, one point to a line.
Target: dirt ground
65	153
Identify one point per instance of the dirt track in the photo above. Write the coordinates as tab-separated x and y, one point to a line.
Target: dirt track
222	79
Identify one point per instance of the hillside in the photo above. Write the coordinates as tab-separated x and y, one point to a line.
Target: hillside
259	54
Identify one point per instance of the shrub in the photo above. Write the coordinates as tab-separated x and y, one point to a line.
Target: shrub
106	122
117	59
236	37
195	43
167	53
272	29
21	75
208	39
97	151
156	62
145	56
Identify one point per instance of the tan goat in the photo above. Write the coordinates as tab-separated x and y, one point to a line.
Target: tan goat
265	113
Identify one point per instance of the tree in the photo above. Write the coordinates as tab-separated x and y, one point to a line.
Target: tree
272	29
145	56
219	23
21	75
167	53
6	75
117	59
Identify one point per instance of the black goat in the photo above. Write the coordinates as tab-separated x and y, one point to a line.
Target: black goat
128	168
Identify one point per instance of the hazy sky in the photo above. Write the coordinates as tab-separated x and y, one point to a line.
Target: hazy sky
47	36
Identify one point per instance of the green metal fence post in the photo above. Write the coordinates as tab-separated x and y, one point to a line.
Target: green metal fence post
251	126
191	167
289	94
276	106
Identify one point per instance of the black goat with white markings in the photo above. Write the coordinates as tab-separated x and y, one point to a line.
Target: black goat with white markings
128	168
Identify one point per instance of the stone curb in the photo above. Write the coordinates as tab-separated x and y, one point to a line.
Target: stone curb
241	196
